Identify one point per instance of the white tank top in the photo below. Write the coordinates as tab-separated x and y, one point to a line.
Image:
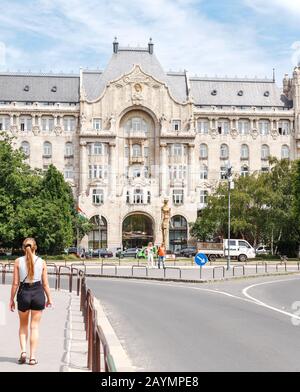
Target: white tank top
38	269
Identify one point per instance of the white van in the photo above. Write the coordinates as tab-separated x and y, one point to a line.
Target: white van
241	249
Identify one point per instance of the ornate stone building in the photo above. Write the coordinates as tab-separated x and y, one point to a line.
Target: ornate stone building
130	136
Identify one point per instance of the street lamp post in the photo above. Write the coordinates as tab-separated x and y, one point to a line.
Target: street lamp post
99	236
229	174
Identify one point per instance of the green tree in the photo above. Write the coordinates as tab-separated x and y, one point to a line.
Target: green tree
261	209
33	203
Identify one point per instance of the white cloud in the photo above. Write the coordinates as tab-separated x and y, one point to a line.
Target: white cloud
272	6
184	36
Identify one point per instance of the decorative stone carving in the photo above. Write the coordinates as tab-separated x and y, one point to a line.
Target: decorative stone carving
36	130
254	133
213	133
274	133
58	130
234	133
112	121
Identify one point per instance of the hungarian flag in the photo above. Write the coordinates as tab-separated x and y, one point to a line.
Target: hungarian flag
81	213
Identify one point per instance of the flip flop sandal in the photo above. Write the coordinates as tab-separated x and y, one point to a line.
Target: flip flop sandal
33	362
22	358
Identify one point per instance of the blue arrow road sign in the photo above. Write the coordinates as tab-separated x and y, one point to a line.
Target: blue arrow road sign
201	259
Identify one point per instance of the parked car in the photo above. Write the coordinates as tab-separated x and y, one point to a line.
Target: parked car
72	250
103	253
190	251
262	250
130	252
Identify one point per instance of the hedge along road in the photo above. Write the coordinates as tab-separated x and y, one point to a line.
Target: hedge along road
212	327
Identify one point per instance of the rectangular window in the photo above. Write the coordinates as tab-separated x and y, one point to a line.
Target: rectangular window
4	123
223	172
178	196
47	124
25	124
284	128
176	125
97	124
138	197
98	196
69	172
203	197
202	126
264	127
69	124
244	127
223	127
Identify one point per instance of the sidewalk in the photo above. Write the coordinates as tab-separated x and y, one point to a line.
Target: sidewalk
62	344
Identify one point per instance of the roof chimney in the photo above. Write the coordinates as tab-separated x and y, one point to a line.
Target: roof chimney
150	46
115	45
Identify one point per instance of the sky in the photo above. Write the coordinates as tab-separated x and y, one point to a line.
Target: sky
205	37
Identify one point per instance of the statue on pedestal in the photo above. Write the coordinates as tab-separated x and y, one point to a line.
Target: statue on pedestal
165	215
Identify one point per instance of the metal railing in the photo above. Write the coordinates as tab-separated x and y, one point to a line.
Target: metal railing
139	266
222	267
234	268
172	268
109	265
97	343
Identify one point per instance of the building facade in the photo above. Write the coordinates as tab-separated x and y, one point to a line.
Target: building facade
133	135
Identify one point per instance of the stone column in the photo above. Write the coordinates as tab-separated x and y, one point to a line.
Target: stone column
83	175
191	169
163	169
112	171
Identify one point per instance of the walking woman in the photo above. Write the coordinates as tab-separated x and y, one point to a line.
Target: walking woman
30	279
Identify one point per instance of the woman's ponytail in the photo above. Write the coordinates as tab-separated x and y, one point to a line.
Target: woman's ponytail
29	246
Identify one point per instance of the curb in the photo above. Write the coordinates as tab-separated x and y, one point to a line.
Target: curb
121	359
193	280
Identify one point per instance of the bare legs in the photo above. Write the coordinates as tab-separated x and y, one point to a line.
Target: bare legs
23	330
34	330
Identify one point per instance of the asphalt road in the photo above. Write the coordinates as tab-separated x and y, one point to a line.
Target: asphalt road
205	327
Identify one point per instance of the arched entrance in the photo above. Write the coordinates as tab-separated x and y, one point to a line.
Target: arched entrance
98	235
178	233
137	231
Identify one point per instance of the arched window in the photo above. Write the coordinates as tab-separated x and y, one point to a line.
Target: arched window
224	151
244	151
47	149
265	152
203	151
68	149
285	152
136	150
203	172
98	235
178	233
25	146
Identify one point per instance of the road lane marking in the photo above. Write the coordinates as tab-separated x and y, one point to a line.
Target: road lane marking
248	298
217	291
261	303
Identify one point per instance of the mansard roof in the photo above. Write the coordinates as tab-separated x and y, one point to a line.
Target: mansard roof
122	63
28	87
237	92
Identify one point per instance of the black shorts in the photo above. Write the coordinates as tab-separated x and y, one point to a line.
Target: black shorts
31	297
